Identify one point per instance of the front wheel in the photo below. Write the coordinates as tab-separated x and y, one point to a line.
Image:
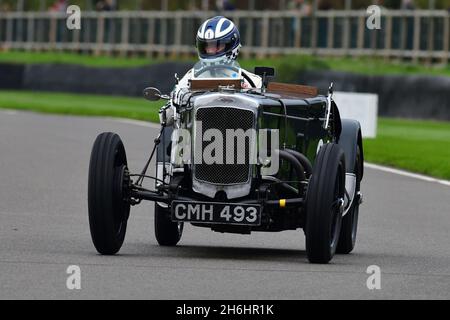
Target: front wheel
108	211
167	233
324	204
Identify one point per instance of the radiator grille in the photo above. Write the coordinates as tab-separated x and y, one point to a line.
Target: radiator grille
223	118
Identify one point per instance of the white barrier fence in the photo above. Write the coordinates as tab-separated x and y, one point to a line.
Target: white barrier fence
411	34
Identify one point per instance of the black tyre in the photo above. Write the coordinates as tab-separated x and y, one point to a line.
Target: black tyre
108	212
167	233
324	204
349	226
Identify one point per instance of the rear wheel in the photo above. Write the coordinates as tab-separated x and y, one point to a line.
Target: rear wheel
167	233
347	239
324	204
108	210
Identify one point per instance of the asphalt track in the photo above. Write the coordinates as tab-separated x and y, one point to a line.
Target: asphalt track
404	229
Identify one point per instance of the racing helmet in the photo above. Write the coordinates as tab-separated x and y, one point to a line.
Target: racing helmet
218	40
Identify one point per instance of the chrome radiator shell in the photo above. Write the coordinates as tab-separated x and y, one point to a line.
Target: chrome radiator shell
221	112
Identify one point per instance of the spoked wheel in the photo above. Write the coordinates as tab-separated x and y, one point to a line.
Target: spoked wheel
324	204
349	227
108	210
167	233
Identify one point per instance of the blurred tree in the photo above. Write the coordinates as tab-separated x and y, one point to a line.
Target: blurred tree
438	4
393	4
20	5
37	5
331	4
44	5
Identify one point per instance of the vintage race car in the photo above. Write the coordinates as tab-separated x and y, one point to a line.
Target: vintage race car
237	160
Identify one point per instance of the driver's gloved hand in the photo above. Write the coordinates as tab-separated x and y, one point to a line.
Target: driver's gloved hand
167	114
178	96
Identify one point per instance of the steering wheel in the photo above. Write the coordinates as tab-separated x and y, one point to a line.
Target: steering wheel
209	68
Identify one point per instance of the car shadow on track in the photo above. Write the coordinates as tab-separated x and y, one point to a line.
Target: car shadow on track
217	252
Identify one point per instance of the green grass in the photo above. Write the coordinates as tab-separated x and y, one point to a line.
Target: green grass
377	66
26	57
418	146
85	105
287	67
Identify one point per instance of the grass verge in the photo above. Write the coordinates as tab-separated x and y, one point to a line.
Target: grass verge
27	57
418	146
84	105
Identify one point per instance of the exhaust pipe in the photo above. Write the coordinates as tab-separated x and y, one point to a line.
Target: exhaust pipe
303	160
300	171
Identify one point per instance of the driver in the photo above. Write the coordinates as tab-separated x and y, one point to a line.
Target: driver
218	42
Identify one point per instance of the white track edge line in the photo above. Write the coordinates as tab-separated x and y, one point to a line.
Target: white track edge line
9	112
406	174
136	122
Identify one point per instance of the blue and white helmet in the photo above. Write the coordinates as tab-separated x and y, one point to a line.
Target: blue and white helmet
218	39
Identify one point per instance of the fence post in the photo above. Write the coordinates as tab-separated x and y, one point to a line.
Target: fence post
388	38
298	31
52	32
9	31
76	40
100	35
416	46
314	27
373	41
264	37
2	18
281	30
19	32
110	37
163	35
86	39
430	37
361	29
125	35
178	32
446	34
347	31
403	37
330	32
150	36
30	32
135	35
346	36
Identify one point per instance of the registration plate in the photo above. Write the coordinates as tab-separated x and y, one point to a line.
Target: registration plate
216	213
